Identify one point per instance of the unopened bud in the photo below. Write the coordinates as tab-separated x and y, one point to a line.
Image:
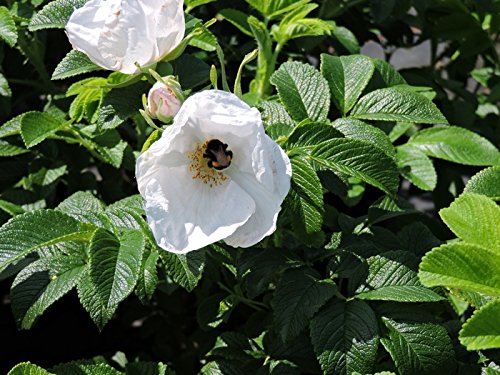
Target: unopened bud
164	99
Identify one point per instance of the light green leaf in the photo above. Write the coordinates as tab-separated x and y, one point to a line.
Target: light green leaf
299	294
96	366
359	159
486	182
42	283
462	265
205	41
301	28
391	277
74	63
347	77
185	269
238	19
347	39
12	127
55	14
357	129
416	167
46	176
482	330
345	337
418	348
115	264
274	113
111	147
306	196
191	4
397	103
303	91
27	368
4	85
37	126
8	30
475	219
11	208
84	207
36	230
7	149
456	144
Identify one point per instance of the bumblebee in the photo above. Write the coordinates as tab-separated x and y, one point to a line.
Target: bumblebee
219	157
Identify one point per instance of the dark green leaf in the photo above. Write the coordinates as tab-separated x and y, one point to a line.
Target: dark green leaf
416	167
74	63
298	296
347	39
345	337
456	144
55	14
36	230
359	159
148	277
185	269
37	126
397	104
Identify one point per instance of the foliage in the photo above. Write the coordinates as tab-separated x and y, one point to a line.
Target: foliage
361	275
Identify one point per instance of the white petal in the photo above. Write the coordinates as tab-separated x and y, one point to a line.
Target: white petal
169	26
268	203
84	28
186	214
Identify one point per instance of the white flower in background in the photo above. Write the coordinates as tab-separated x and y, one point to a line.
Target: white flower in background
164	99
117	34
214	174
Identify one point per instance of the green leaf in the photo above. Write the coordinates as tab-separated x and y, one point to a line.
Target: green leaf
11	208
475	219
86	208
36	230
462	265
418	348
42	283
55	14
86	367
398	103
8	30
148	277
37	126
91	301
185	269
482	330
347	39
303	91
392	277
12	127
205	41
115	264
46	176
7	149
299	294
74	63
359	159
456	144
347	77
416	167
274	113
486	182
356	129
311	134
384	76
111	147
237	18
345	337
120	104
127	213
301	28
4	86
27	368
306	196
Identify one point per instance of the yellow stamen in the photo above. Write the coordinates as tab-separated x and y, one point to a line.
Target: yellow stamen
200	169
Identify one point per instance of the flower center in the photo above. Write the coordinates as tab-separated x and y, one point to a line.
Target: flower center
207	161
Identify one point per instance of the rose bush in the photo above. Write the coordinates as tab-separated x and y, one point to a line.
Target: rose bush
119	35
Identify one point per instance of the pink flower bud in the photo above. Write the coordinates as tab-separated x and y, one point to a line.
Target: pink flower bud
163	104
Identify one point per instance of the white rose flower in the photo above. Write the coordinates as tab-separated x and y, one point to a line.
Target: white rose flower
117	34
214	174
